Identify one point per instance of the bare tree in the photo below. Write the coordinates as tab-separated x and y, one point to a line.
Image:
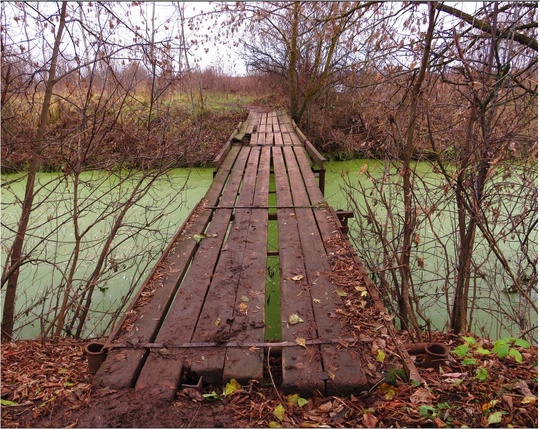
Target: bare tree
303	43
11	275
477	125
88	122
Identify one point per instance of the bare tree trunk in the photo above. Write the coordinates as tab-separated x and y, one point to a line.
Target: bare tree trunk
458	318
153	63
405	305
293	59
181	11
17	256
483	106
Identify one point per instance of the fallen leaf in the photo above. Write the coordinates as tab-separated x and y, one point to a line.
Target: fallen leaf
316	301
232	387
454	374
217	322
293	399
297	278
244	298
369	420
495	418
341	293
279	412
421	396
489	404
481	374
6	403
294	319
381	355
300	341
523	388
211	396
331	375
191	393
302	402
439	423
326	408
242	307
508	401
309	425
528	400
363	291
389	392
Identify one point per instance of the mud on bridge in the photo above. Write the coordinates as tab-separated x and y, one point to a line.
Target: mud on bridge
201	316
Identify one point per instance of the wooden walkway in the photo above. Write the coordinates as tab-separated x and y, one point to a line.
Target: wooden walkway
201	313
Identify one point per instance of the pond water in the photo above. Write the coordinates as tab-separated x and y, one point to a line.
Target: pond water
37	293
434	253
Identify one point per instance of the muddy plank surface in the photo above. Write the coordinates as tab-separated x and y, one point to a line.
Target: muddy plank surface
217	321
245	363
182	318
212	290
342	371
146	313
301	367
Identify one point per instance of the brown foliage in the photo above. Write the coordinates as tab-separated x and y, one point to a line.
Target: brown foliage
51	385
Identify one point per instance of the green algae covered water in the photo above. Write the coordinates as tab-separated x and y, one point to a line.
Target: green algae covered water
167	205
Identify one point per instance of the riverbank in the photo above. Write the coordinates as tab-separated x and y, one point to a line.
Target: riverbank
47	384
122	140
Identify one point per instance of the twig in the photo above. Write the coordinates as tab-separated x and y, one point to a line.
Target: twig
194	415
272	377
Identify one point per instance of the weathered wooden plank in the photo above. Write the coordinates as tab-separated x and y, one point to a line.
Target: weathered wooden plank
295	139
343	364
287	140
285	122
184	312
254	119
260	139
275	123
218	313
342	371
122	366
269	139
263	127
247	364
278	139
301	367
325	220
223	153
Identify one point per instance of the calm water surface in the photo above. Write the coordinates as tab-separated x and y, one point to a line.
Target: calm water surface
38	279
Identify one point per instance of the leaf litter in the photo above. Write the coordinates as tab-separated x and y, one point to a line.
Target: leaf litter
50	385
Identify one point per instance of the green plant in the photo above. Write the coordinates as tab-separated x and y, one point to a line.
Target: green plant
467	350
506	347
501	348
432	411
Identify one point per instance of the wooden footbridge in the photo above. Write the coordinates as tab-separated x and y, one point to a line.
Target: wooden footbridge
200	315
